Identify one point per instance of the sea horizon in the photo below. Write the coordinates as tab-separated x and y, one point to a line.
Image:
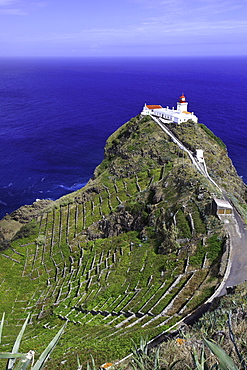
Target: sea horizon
56	113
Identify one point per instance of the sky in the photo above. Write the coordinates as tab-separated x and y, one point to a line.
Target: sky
125	28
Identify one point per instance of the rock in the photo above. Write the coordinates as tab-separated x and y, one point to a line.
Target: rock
200	196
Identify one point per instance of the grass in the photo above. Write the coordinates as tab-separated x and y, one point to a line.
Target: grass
62	269
21	361
135	259
213	136
216	341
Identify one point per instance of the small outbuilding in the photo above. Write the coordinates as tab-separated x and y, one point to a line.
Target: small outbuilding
221	207
199	155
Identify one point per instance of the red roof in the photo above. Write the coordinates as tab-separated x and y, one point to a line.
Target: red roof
154	106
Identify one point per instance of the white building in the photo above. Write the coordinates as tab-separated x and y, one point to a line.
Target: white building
199	155
178	115
222	207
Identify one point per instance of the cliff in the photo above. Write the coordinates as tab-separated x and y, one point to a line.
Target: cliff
130	254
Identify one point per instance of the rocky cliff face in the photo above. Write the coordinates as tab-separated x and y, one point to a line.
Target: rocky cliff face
131	253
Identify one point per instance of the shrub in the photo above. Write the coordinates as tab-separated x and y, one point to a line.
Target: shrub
215	246
26	231
212	135
4	244
183	225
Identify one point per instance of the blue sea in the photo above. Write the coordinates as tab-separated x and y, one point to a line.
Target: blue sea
56	114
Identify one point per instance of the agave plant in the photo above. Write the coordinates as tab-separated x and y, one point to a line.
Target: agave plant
141	358
22	361
90	367
225	362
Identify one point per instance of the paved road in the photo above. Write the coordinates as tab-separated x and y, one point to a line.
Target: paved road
238	234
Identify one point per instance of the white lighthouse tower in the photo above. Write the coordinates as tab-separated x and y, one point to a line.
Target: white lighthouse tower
182	105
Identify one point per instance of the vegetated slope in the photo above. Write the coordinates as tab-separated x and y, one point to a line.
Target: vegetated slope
225	323
219	165
130	254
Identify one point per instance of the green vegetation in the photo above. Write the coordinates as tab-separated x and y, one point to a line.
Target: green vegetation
213	136
26	360
129	255
26	231
216	341
198	136
184	225
4	244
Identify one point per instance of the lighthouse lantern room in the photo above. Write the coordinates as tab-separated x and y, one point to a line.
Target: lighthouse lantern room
182	105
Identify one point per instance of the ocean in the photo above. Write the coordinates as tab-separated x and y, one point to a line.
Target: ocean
56	114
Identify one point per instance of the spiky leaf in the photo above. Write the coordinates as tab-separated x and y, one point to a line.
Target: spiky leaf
1	327
16	346
25	361
44	356
10	355
79	366
225	361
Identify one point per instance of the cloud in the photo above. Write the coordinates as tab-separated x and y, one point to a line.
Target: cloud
184	8
19	7
11	7
7	2
12	11
156	30
159	24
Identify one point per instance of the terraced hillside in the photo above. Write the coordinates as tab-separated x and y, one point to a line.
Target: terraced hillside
129	255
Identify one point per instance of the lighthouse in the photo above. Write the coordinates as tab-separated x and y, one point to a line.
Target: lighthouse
178	115
182	105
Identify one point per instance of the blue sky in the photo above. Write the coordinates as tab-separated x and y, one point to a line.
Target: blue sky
66	28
